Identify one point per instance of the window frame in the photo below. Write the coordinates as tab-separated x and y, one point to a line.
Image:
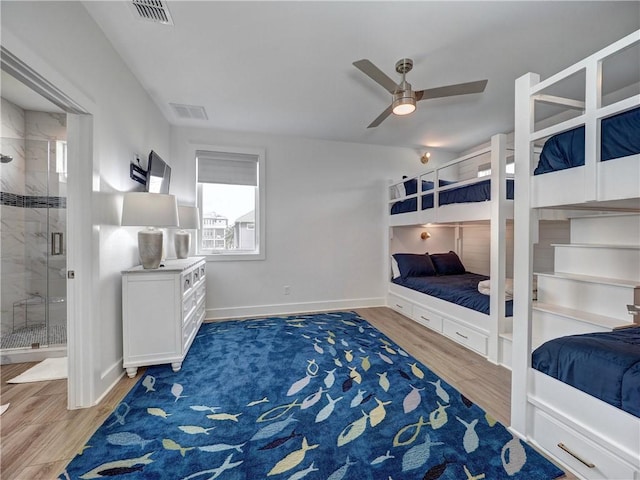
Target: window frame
260	223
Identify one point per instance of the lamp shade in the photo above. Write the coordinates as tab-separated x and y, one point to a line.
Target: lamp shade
189	217
149	210
144	209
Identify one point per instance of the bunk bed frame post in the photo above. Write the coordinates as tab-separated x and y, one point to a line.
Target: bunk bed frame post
497	267
524	230
593	95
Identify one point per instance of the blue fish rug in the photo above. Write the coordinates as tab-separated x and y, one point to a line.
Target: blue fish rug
323	396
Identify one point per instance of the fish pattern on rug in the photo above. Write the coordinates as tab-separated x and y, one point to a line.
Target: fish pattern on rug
320	396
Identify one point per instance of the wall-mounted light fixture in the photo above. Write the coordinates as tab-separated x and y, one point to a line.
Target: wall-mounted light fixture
425	157
424	235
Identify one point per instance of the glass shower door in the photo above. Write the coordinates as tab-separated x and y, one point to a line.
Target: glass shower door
33	250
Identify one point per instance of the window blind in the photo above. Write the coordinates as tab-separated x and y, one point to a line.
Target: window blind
228	168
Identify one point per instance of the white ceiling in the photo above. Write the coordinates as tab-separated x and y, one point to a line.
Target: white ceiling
286	67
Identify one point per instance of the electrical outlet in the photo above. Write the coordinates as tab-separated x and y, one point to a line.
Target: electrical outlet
286	289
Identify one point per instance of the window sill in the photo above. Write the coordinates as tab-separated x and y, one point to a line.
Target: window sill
232	257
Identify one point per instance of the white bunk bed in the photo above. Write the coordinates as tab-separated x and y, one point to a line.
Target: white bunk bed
591	438
487	334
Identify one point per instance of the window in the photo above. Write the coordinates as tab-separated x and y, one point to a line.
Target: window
485	169
230	184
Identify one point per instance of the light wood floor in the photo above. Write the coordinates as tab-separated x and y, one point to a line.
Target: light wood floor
39	436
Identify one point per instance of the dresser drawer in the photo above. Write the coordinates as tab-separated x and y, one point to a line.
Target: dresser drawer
187	282
188	305
400	305
467	337
579	453
188	332
195	275
427	318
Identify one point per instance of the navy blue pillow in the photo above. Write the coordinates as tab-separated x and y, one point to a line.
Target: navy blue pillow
414	265
447	263
411	186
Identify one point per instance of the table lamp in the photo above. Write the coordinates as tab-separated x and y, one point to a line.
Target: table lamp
151	210
189	219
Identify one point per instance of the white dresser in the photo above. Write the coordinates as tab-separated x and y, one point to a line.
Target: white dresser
162	310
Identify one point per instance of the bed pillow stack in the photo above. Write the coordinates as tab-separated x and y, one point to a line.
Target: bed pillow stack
414	265
447	263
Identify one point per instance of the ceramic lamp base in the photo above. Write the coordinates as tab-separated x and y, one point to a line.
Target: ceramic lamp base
150	248
182	240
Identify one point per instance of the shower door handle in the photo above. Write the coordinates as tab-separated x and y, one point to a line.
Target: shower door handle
56	243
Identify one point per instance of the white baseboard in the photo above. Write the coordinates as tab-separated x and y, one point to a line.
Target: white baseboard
291	308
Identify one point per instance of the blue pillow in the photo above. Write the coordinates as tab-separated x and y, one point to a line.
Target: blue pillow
414	265
447	263
411	186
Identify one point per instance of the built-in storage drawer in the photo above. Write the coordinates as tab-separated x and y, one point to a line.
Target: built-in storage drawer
579	453
400	304
467	337
427	318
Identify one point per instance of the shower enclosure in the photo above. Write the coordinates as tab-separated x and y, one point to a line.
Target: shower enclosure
33	323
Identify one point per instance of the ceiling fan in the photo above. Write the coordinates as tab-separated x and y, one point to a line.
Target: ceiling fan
404	98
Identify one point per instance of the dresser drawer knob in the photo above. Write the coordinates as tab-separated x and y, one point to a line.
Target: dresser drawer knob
461	335
576	456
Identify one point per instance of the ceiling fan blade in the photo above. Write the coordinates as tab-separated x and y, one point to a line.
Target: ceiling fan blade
381	117
368	68
451	90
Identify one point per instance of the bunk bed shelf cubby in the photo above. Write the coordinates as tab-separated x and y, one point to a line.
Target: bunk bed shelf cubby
581	305
447	195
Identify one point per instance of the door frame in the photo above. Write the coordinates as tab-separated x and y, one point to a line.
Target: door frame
82	238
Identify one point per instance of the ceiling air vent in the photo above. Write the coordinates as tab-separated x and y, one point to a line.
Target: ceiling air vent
189	112
153	11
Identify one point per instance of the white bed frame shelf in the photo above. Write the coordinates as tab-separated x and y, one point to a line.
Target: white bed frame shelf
591	283
488	335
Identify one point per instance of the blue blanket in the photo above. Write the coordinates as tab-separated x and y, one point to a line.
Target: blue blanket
459	289
477	192
605	365
620	137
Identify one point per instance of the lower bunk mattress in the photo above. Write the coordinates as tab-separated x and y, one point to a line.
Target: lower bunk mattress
606	365
476	192
460	289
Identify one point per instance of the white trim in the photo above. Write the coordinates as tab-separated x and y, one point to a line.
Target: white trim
213	314
81	240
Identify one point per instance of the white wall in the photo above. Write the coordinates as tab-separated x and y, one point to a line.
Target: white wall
62	42
326	224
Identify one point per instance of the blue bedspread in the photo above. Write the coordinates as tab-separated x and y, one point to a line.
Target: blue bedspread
620	137
477	192
459	289
605	365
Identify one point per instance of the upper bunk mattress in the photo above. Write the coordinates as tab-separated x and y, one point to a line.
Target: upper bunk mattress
460	289
620	137
476	192
606	365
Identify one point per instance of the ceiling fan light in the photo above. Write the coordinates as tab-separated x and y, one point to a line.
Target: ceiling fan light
404	103
404	108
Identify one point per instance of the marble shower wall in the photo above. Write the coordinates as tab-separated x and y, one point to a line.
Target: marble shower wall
33	206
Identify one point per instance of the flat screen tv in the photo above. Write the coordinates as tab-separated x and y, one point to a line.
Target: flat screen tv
158	174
